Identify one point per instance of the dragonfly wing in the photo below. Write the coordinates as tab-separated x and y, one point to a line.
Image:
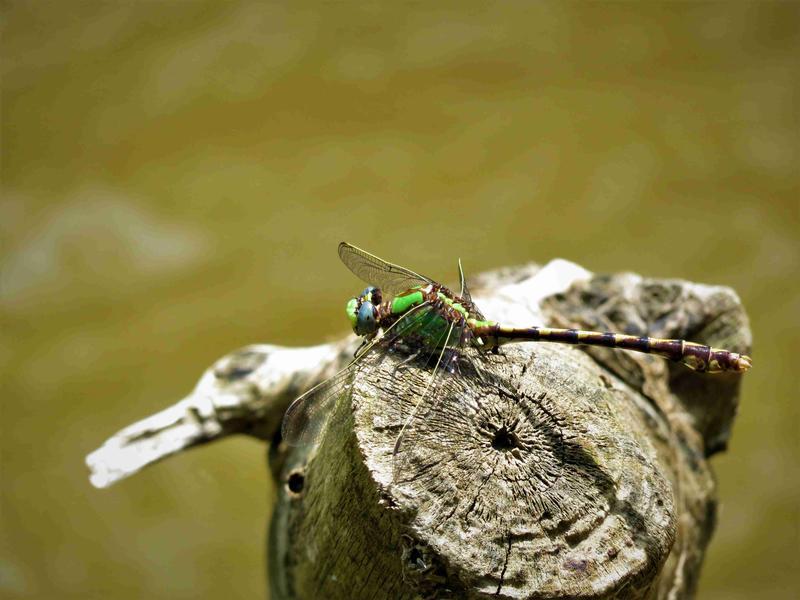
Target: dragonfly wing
445	354
463	281
305	419
391	278
466	296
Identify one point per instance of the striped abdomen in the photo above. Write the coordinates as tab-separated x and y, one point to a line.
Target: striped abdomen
695	356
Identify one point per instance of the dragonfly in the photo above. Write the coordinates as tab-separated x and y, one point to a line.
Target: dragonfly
403	311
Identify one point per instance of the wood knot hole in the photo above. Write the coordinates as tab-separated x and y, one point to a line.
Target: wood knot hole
415	559
296	482
505	440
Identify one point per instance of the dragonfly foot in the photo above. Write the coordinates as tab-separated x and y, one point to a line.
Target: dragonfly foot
406	362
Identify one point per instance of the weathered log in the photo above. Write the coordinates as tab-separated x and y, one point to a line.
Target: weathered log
545	472
542	474
245	392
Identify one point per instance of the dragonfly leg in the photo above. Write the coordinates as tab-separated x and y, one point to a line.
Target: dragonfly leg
366	341
412	357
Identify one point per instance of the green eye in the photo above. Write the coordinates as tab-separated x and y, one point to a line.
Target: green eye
352	311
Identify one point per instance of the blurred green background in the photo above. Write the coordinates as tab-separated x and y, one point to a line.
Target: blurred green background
176	176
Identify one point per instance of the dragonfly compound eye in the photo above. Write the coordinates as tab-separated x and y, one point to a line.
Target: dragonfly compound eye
371	294
366	322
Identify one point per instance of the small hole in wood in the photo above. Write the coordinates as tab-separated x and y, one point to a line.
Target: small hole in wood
504	440
416	560
296	482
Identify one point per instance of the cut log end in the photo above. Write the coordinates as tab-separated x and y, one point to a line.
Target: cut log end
517	484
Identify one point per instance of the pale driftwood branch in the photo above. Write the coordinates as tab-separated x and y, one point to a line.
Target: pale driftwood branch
246	392
554	473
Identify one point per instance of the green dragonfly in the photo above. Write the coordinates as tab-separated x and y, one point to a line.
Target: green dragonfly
403	311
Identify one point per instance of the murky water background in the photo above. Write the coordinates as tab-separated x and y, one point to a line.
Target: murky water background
176	176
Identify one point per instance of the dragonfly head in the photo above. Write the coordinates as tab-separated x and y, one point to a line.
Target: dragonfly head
362	311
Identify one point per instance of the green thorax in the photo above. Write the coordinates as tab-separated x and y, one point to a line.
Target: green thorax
429	325
402	303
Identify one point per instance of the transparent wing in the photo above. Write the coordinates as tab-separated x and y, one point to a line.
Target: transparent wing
446	354
305	419
392	279
464	293
466	296
444	358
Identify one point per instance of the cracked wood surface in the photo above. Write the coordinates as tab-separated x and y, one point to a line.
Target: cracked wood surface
551	474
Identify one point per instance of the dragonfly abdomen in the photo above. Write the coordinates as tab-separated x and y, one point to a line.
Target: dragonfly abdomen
697	357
